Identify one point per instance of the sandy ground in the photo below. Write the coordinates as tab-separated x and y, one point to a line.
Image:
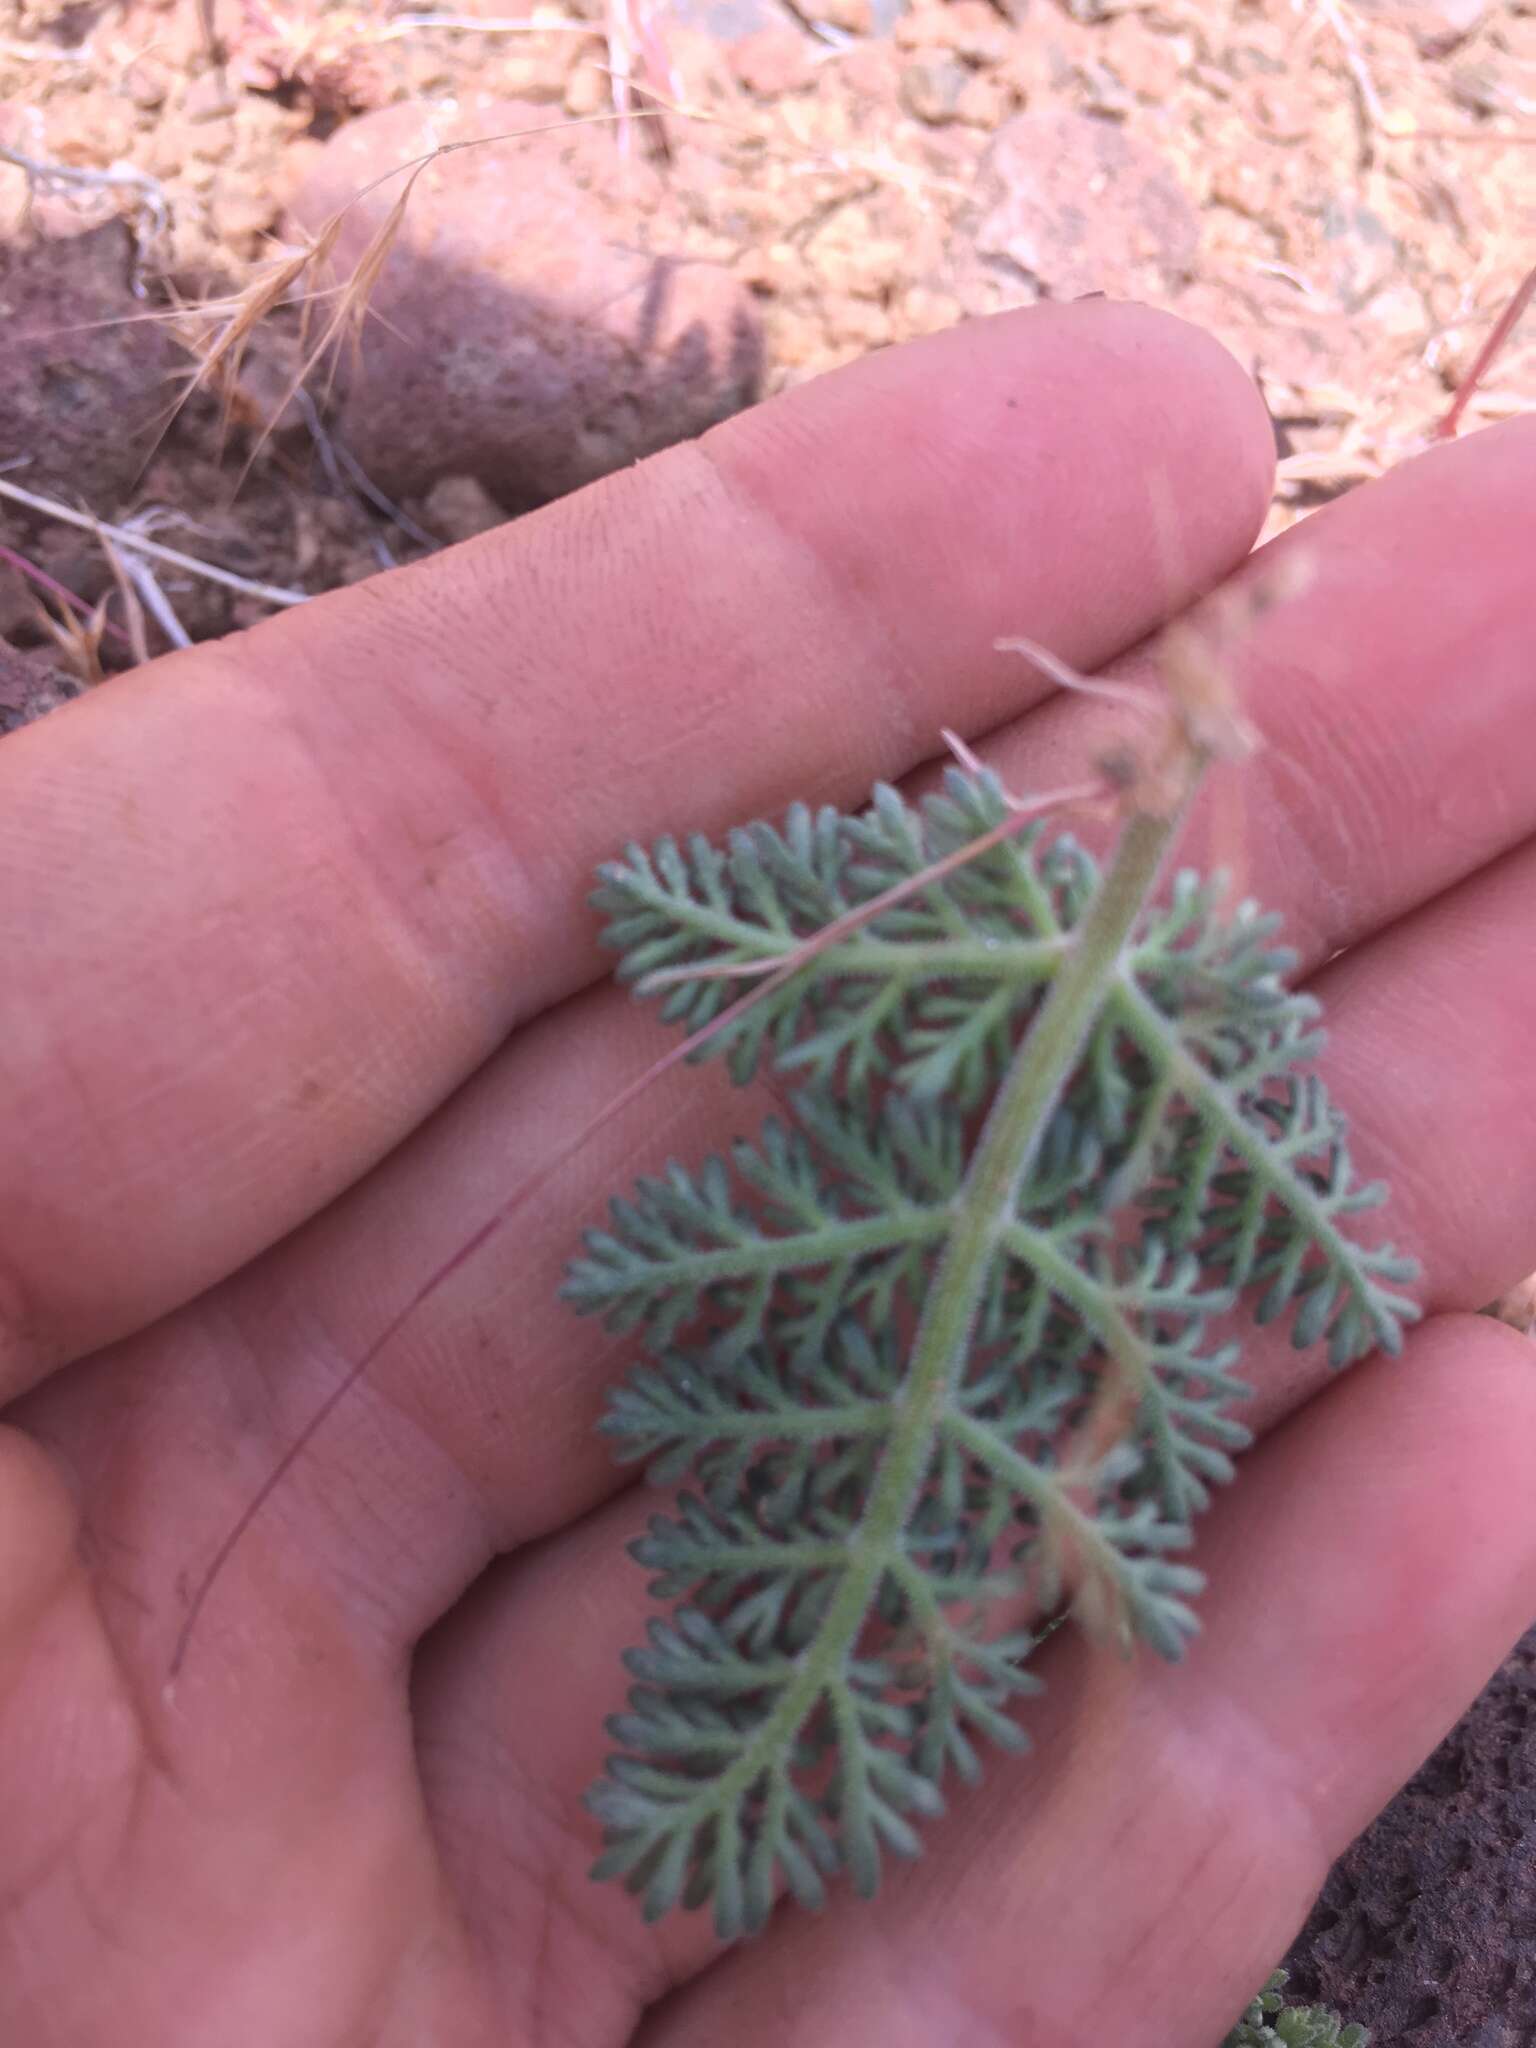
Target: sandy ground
1346	194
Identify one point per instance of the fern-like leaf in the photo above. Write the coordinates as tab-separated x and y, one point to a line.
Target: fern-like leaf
938	1372
1190	1071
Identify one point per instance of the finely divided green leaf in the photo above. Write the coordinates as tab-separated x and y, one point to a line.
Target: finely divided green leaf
893	1478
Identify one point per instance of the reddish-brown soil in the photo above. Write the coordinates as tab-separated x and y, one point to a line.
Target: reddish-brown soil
1345	193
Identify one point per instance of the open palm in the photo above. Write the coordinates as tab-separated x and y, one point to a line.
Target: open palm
297	982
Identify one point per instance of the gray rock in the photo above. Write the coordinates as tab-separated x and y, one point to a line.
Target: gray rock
1067	204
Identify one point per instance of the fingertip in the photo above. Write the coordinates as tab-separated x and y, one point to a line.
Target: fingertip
1006	458
1469	1404
1188	432
1215	408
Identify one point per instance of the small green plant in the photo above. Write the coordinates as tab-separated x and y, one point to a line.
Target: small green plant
938	1352
1270	2023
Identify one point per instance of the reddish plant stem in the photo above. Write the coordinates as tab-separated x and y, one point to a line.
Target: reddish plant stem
1503	327
56	589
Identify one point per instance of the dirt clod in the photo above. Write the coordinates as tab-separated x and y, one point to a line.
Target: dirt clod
532	327
932	90
88	380
457	508
30	685
1423	1930
773	61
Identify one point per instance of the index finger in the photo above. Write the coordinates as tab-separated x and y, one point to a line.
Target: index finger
268	902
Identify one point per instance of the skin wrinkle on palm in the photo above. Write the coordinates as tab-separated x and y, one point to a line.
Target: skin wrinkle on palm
337	1847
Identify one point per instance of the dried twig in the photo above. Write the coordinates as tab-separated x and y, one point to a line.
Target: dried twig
147	588
133	610
347	473
222	353
1327	465
42	53
1373	115
142	577
269	593
631	27
466	24
40	171
1403	129
621	65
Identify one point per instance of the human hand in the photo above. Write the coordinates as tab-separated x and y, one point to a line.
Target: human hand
299	983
